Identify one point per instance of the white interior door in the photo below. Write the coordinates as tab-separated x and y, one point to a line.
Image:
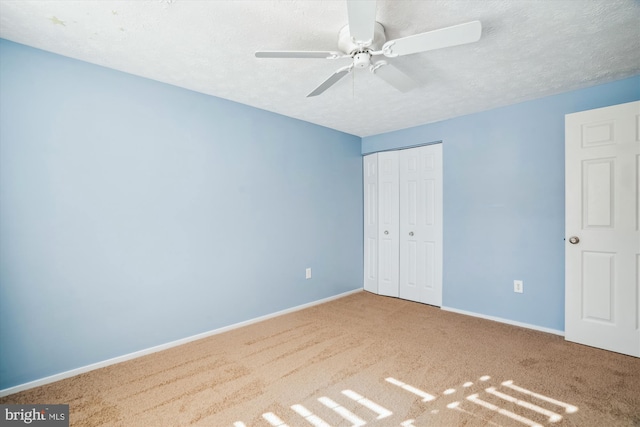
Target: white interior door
370	179
421	224
388	223
602	224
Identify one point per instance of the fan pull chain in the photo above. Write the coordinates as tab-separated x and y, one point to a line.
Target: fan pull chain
353	84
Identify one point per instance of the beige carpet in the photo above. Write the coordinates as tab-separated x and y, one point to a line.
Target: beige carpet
360	360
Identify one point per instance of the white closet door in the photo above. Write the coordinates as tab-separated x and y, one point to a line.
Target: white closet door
370	179
421	224
388	223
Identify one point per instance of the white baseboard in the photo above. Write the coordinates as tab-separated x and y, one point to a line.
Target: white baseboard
140	353
507	321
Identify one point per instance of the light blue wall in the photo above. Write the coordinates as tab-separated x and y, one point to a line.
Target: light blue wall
134	213
504	201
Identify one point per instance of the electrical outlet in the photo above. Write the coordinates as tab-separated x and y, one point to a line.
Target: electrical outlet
308	273
518	286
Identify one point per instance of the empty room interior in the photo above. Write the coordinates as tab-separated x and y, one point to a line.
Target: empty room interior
322	213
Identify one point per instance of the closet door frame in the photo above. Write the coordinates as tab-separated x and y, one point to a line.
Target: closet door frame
388	222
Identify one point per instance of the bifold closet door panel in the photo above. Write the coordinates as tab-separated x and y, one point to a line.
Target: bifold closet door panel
388	224
420	270
370	180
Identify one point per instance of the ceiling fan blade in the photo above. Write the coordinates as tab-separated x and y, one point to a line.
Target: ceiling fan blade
437	39
362	19
298	54
333	79
394	77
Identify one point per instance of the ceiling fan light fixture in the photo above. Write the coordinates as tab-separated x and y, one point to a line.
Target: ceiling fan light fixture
362	59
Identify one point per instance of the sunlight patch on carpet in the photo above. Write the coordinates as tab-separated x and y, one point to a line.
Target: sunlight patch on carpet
475	399
342	411
382	412
456	406
553	417
310	416
569	409
274	420
488	398
426	397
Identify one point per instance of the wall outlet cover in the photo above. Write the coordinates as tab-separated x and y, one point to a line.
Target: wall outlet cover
518	286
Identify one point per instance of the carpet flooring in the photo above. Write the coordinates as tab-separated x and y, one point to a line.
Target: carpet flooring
360	360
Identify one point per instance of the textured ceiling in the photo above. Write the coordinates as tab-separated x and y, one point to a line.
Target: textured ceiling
528	49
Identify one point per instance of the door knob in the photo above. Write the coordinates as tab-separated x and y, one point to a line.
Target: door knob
574	240
411	233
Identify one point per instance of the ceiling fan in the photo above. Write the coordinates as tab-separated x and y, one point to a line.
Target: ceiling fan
363	39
